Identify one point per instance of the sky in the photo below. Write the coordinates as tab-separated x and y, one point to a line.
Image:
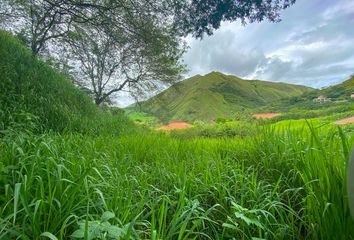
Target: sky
313	45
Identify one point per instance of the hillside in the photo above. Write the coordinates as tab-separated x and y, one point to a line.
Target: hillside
34	95
216	95
340	91
340	97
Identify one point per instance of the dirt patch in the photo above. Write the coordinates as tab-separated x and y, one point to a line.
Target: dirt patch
176	125
345	121
266	115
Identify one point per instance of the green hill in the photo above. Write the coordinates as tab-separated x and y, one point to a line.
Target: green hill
340	91
34	95
340	98
216	95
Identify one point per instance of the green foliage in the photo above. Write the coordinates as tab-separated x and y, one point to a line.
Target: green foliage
204	16
142	118
335	111
101	229
341	91
340	95
225	128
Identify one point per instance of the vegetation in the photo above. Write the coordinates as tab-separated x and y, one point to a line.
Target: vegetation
34	95
106	46
216	95
339	97
70	170
142	118
222	129
272	186
340	91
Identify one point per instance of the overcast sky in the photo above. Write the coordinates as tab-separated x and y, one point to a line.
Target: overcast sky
313	45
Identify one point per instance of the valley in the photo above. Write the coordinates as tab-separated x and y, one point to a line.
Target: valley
217	97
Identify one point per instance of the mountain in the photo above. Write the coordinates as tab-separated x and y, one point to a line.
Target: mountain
216	95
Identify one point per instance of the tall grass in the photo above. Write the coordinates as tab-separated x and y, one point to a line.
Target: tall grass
283	185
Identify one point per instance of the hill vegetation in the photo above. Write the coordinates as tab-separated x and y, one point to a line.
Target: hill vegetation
339	100
72	170
33	93
340	91
216	95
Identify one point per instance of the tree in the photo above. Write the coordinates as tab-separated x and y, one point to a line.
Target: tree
130	58
36	22
39	22
204	16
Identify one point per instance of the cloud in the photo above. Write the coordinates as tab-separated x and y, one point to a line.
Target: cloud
313	45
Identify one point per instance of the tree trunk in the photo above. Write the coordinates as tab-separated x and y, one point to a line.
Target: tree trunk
98	101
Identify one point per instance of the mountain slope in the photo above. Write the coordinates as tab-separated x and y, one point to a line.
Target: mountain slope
216	95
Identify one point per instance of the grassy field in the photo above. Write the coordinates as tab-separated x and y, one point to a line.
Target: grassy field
282	184
89	173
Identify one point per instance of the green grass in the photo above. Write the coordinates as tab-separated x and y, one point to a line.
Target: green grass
141	117
282	184
217	95
70	170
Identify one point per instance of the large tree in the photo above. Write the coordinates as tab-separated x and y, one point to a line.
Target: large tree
138	55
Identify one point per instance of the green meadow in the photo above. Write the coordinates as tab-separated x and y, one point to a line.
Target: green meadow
71	170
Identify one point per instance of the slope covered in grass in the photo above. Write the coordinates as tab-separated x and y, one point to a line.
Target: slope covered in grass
216	95
34	95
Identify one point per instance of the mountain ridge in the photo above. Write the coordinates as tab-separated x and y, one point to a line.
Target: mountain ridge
216	95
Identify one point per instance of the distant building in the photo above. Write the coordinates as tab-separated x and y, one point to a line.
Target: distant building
322	99
352	96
